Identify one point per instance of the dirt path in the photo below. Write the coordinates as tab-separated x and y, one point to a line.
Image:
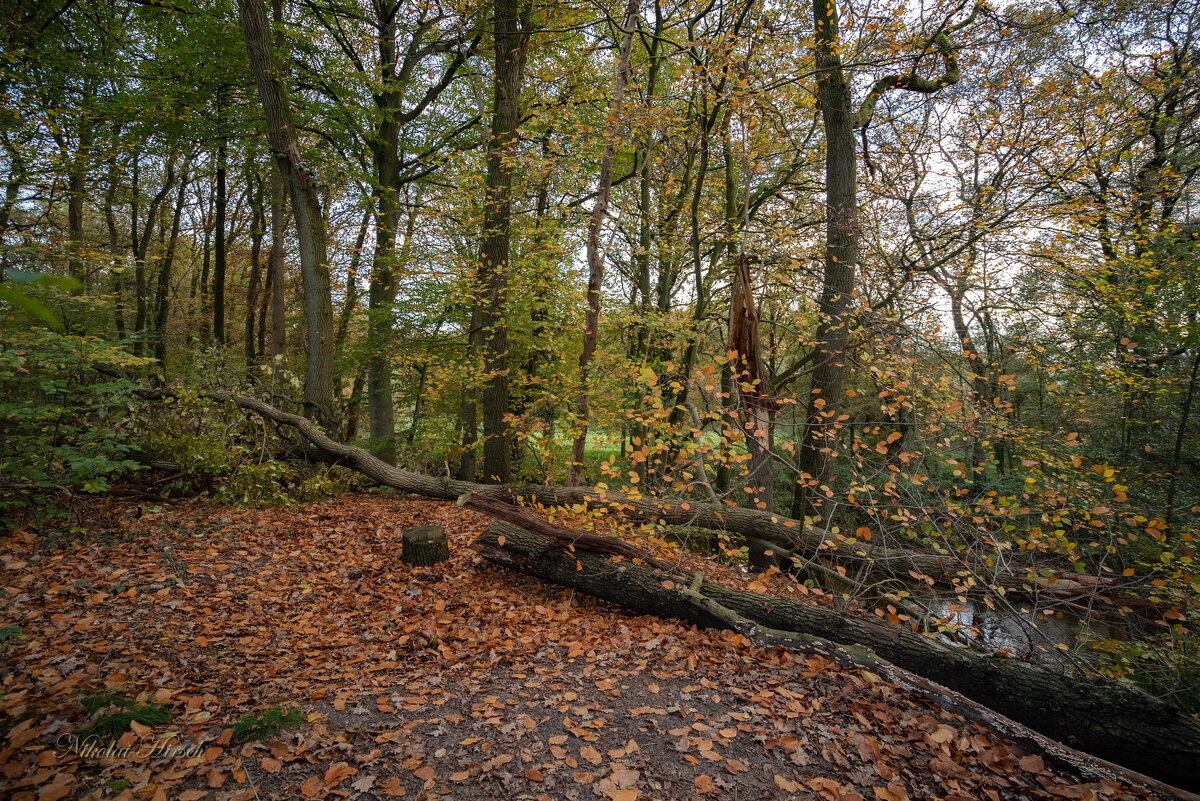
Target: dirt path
457	681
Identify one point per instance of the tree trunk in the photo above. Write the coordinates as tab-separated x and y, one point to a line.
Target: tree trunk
819	446
792	535
595	255
258	231
219	261
385	150
1113	720
755	412
492	292
162	303
76	192
277	279
306	209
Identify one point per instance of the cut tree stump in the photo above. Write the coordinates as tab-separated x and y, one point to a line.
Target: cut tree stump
424	545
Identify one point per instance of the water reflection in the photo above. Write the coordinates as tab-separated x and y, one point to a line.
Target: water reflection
1023	631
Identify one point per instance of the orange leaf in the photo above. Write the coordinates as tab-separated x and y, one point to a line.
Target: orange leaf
704	784
59	788
785	784
392	786
1032	763
425	773
338	773
312	787
534	775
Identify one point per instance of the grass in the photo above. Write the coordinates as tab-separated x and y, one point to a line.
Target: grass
10	635
266	724
114	724
94	703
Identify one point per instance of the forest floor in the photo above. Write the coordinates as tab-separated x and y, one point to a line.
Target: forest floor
459	681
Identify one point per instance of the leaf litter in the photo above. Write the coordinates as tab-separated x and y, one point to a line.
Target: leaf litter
457	681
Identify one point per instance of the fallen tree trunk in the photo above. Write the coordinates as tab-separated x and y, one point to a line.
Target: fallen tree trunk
789	535
1112	720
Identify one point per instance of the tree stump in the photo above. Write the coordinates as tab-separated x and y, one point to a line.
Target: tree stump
424	545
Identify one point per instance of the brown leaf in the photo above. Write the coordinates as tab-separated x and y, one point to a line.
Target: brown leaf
1032	763
785	784
392	786
312	787
337	773
591	755
58	788
270	764
704	784
942	734
534	775
425	773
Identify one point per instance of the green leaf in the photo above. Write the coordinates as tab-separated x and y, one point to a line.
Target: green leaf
20	300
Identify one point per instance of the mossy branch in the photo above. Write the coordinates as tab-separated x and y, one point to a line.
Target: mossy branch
951	73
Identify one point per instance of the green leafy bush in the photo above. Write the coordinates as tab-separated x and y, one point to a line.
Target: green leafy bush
230	455
63	424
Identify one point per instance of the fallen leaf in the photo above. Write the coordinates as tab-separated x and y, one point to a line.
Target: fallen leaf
337	773
392	786
312	787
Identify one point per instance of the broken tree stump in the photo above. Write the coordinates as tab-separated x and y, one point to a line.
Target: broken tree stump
424	546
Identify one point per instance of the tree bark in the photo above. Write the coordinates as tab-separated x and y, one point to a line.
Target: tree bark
220	257
511	42
306	209
595	254
162	304
818	448
257	233
755	412
1113	720
277	279
76	192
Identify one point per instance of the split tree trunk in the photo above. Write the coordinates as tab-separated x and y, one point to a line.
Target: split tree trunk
1113	720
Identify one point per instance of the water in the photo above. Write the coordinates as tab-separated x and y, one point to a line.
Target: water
1020	630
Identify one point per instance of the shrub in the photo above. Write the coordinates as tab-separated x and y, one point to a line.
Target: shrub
62	423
